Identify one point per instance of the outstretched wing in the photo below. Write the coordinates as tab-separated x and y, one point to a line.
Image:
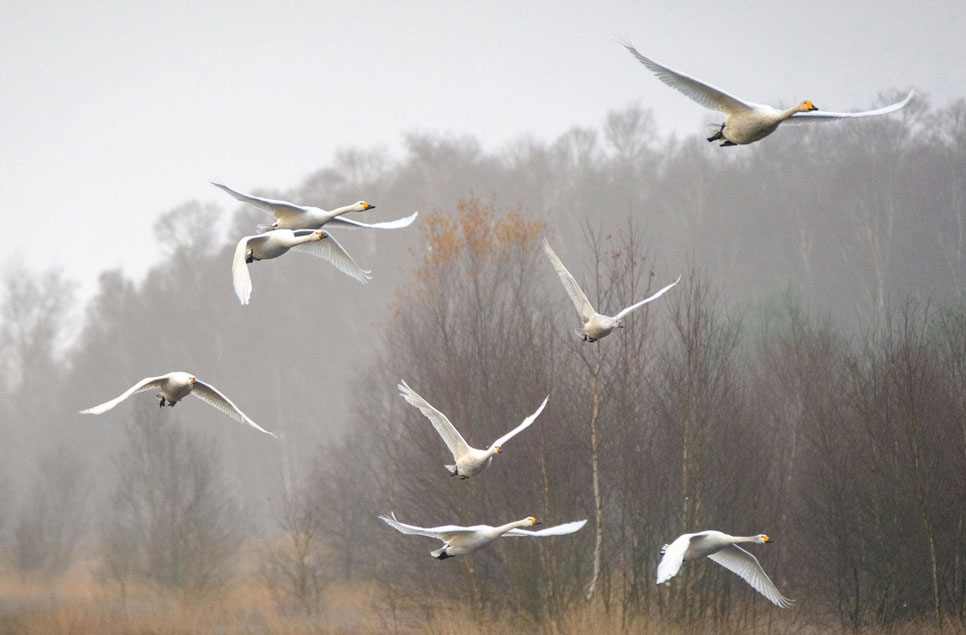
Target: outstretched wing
557	530
454	440
526	423
348	223
825	115
148	383
328	248
743	563
583	305
280	209
673	558
646	300
429	532
703	93
213	397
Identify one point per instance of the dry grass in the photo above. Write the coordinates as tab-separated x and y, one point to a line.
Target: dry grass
77	605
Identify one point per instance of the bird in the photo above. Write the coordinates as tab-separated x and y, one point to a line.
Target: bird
175	386
724	550
469	461
595	325
458	541
292	216
274	243
747	122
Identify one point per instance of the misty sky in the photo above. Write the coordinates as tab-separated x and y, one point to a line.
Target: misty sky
113	112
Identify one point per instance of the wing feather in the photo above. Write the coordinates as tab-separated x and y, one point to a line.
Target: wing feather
825	115
392	224
280	209
328	248
148	383
526	423
556	530
450	435
213	397
745	565
583	305
646	300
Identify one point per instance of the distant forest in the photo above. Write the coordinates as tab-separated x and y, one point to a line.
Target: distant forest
806	379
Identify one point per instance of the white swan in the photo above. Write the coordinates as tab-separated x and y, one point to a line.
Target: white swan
747	122
595	325
175	386
458	541
274	243
292	216
724	550
469	460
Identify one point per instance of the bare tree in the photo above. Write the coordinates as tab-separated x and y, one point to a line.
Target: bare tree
172	521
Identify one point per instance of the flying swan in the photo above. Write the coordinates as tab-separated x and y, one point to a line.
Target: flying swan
724	550
469	461
274	243
458	541
595	325
747	122
175	386
292	216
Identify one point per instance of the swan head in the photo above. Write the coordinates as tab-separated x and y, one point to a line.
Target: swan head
807	106
363	206
764	538
497	449
191	379
532	521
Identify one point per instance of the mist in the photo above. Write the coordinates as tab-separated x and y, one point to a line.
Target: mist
805	379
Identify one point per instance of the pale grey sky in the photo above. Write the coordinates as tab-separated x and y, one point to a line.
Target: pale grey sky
113	112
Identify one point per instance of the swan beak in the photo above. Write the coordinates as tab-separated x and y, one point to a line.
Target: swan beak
369	206
537	522
767	539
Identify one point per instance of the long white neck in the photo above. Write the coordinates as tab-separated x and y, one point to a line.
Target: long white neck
502	529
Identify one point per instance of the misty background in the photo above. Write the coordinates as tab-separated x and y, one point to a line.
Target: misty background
805	379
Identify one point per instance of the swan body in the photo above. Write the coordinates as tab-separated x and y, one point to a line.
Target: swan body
175	386
275	243
596	325
468	461
292	216
724	550
458	541
747	122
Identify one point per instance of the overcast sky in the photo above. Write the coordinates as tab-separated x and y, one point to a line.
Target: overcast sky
113	112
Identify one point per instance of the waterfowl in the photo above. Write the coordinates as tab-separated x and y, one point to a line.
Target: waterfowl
175	386
292	216
458	541
747	122
469	461
595	325
724	550
274	243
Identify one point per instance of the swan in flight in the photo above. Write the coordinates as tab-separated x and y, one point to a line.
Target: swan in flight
595	325
469	461
274	243
747	122
724	550
458	541
175	386
292	216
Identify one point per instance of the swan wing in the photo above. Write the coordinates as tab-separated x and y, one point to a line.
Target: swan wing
583	305
148	383
429	532
213	397
556	530
280	209
240	277
646	300
743	563
342	221
673	558
451	436
328	248
705	94
526	423
825	115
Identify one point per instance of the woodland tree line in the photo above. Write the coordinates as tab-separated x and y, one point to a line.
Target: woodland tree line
806	379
